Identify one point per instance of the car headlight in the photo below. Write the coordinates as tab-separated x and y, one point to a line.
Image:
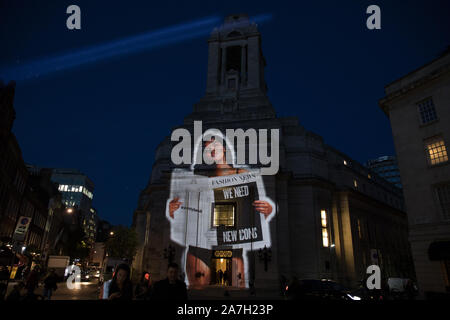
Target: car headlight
353	297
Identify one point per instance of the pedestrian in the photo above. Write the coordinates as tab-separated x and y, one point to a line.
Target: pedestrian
170	288
295	290
32	280
50	284
225	278
410	290
220	276
25	272
18	292
120	286
4	273
143	288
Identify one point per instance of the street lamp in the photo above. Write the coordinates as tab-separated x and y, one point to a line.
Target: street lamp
69	210
111	233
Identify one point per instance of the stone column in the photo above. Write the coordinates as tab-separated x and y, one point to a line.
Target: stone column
254	61
347	240
213	67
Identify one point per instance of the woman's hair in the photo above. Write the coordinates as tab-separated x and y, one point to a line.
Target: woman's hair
213	135
127	286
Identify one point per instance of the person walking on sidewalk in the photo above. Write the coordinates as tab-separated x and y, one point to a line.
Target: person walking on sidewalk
32	280
50	284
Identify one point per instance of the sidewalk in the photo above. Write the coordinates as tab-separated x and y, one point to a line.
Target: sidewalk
215	292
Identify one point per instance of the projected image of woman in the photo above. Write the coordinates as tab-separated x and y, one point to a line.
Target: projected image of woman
218	212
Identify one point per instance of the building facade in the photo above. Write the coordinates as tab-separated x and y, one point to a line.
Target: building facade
418	108
42	202
329	217
25	191
387	168
13	173
77	192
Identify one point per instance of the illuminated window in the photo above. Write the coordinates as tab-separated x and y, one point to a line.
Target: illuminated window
323	216
325	241
436	151
369	176
223	215
355	183
324	222
427	111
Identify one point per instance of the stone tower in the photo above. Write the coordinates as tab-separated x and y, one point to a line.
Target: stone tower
235	85
322	196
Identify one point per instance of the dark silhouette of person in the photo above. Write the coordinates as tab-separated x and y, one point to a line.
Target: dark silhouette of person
170	288
220	276
143	288
32	281
50	284
18	292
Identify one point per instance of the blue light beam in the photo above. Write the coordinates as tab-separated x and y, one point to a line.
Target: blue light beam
146	41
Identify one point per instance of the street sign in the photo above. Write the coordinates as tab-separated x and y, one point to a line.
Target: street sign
21	228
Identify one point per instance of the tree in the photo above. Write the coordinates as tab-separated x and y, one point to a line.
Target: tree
76	245
122	243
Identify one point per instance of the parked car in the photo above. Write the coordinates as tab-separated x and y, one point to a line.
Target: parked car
85	275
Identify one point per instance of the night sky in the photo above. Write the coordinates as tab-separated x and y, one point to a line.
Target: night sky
106	118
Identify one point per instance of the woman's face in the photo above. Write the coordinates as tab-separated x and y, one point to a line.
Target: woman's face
121	276
214	151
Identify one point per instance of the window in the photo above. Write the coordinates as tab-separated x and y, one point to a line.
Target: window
324	224
223	215
436	151
355	183
233	56
443	196
427	111
325	241
323	216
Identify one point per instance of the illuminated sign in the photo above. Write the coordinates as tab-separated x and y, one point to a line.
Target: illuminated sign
21	229
223	254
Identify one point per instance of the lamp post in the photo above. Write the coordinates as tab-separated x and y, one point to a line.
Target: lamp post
265	255
169	253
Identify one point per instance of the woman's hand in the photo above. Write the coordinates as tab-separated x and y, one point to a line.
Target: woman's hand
174	205
115	295
263	206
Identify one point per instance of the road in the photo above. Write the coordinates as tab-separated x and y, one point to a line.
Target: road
83	291
89	291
